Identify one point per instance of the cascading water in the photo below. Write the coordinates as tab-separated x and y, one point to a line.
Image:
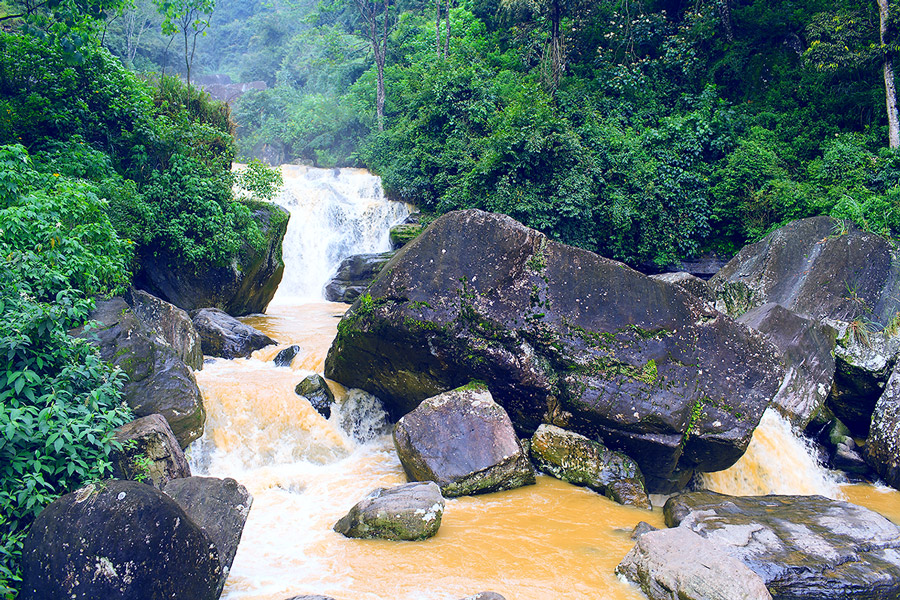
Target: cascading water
335	213
550	540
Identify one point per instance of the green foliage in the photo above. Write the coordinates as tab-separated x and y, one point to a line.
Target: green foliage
58	401
258	180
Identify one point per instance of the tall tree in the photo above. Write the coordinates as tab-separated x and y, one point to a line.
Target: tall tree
377	18
890	90
191	19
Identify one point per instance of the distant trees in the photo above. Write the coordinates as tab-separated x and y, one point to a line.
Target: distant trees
377	19
190	18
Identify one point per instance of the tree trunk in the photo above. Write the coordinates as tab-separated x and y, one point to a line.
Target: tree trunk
890	89
725	17
447	39
187	61
437	28
555	43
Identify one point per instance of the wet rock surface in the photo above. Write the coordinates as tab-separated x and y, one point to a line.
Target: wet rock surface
118	540
220	507
801	546
354	275
806	347
150	453
223	335
463	441
678	564
882	449
158	380
578	460
171	323
286	356
315	389
562	336
244	287
408	512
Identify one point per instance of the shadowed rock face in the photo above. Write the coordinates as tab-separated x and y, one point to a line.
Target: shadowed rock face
118	540
562	336
223	335
882	448
150	453
802	546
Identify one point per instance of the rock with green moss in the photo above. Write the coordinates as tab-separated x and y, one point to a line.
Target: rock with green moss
158	380
407	512
574	458
149	453
404	233
463	441
354	275
801	546
244	286
561	336
882	449
169	322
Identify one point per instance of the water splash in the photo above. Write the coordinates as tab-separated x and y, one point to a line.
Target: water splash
335	213
778	461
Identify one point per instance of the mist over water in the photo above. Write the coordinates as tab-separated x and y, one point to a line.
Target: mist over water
335	213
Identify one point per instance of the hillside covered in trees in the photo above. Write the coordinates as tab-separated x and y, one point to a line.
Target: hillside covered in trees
646	131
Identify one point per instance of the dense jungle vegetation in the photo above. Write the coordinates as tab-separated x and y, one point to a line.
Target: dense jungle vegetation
646	131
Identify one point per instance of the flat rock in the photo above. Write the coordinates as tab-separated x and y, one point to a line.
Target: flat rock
150	452
578	460
561	336
407	512
220	507
118	540
463	441
678	564
801	546
223	335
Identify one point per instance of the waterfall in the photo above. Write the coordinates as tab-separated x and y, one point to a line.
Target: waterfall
777	461
335	213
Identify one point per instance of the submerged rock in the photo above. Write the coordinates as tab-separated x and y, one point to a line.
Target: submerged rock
806	347
485	596
118	540
242	287
562	336
407	512
882	449
354	275
315	389
220	507
801	546
463	441
150	453
169	322
223	335
678	564
286	356
578	460
158	381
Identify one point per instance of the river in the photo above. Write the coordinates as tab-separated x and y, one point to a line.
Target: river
549	540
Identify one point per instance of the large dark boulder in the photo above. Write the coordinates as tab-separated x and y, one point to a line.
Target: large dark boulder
407	512
882	449
169	322
149	453
463	441
223	335
244	286
220	507
678	564
158	380
314	388
562	336
354	275
118	540
803	547
807	349
578	460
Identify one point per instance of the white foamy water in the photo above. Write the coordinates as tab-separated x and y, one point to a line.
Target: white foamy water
335	213
778	461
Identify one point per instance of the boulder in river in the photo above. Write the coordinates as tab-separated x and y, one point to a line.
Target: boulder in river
561	336
678	564
169	322
354	275
578	460
244	286
150	452
220	507
801	546
223	335
118	540
158	380
407	512
315	389
882	449
463	441
286	356
485	596
807	348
